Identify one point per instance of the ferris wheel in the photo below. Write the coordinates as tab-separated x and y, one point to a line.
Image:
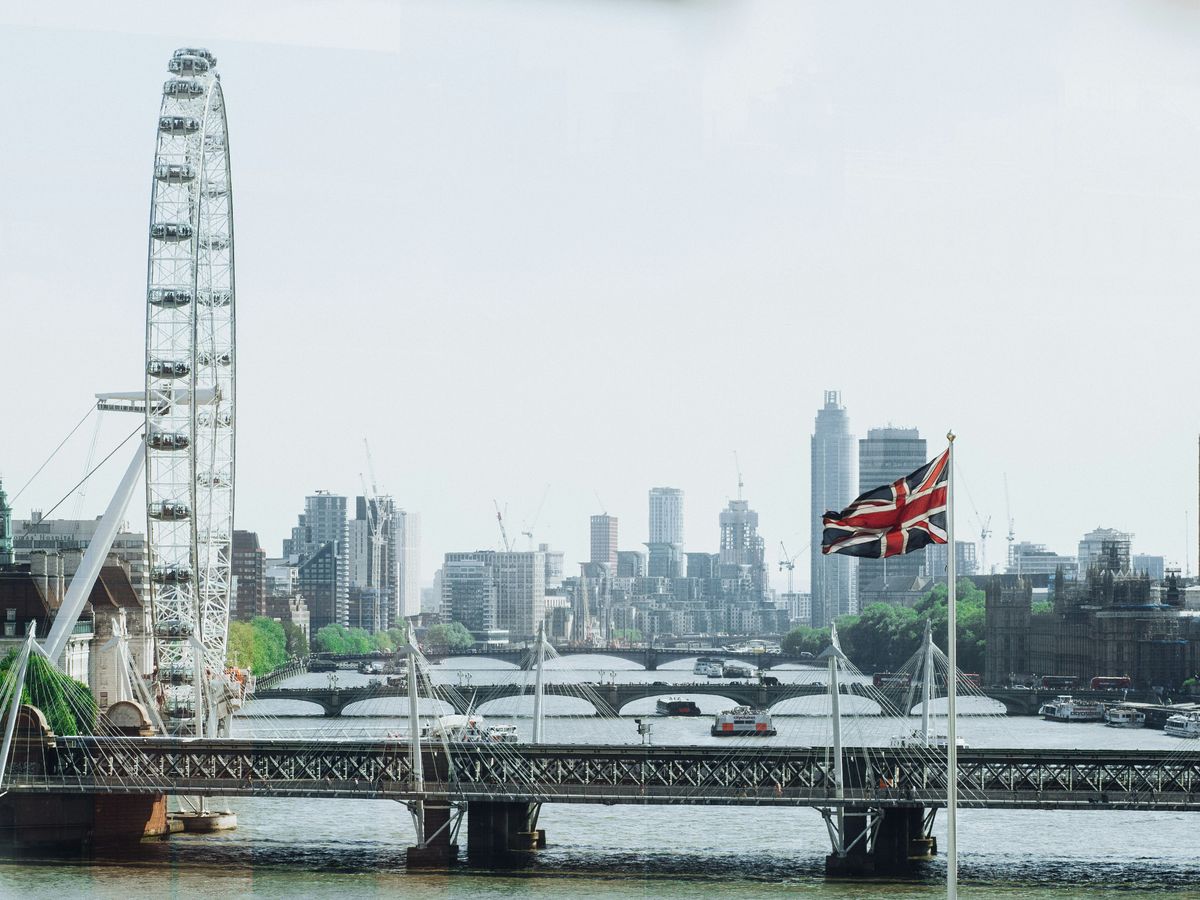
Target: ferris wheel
189	397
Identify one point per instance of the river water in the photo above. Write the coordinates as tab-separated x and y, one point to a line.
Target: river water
297	847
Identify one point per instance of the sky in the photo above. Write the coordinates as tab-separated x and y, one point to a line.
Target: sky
575	249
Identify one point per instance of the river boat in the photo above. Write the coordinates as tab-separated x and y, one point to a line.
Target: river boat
470	729
742	721
1124	717
733	669
1066	708
926	739
677	706
1184	725
709	666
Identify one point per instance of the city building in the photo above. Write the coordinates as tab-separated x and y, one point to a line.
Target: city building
1106	548
885	455
666	533
290	610
63	535
320	544
1027	559
604	541
742	553
406	531
631	564
1154	566
937	560
7	552
248	567
832	576
487	590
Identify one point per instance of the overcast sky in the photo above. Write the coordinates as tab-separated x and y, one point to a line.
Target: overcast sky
600	245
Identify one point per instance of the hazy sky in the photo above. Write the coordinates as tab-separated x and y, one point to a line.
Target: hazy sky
600	245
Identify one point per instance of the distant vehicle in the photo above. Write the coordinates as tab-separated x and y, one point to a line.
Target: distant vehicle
1058	682
970	678
768	680
736	670
1111	683
892	679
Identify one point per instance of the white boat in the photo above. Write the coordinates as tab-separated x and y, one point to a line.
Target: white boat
743	720
1124	717
919	738
1065	708
1184	725
470	729
737	670
710	666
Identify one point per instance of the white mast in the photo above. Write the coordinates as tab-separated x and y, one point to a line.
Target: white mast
839	789
951	686
539	659
927	682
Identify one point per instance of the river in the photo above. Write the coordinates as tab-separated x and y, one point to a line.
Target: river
297	847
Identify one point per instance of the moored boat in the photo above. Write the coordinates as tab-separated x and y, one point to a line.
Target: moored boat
1065	708
709	666
677	706
743	720
1124	717
1184	725
919	738
470	729
737	670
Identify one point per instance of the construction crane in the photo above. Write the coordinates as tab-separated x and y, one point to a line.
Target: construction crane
985	525
1012	534
503	530
528	530
737	465
789	563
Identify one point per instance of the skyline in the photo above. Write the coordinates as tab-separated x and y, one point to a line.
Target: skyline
510	286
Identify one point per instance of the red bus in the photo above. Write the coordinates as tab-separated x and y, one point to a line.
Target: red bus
970	679
1059	682
891	679
1111	682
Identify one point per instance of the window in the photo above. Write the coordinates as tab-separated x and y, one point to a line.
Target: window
10	629
10	614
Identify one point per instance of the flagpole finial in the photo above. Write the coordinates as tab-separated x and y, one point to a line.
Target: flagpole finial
950	436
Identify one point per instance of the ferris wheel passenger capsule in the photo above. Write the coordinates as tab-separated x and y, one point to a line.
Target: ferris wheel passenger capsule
171	173
171	231
171	575
202	52
178	125
168	368
169	511
215	298
170	298
183	89
168	440
188	65
214	359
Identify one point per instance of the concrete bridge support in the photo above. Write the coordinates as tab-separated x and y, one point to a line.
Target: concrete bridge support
887	841
439	852
502	833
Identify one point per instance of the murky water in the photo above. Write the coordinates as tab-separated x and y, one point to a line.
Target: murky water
292	848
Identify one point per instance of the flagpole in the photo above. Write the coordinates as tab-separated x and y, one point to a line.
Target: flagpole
951	686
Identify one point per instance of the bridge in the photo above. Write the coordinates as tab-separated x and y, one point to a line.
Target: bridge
649	658
610	699
888	797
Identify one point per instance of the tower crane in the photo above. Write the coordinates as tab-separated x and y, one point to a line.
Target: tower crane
985	526
788	562
737	465
503	530
528	530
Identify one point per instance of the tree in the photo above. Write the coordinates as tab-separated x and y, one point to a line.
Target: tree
270	645
803	639
297	640
453	636
67	704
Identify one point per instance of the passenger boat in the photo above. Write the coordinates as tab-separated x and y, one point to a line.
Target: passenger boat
1184	725
743	720
1124	717
737	670
470	729
708	665
677	706
1065	708
919	738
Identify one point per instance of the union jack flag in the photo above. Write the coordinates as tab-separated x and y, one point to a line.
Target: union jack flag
893	519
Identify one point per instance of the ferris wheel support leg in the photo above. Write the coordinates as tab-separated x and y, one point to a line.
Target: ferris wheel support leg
93	559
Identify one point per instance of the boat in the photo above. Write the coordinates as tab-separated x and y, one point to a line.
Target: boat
677	706
708	665
1066	708
733	669
470	729
743	720
1184	725
919	738
1124	717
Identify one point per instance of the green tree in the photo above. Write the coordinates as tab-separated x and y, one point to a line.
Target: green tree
270	645
452	636
803	639
67	704
239	646
297	640
333	639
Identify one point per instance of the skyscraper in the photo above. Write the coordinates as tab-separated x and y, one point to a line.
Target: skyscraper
742	554
666	533
249	563
321	544
885	455
833	583
604	542
487	589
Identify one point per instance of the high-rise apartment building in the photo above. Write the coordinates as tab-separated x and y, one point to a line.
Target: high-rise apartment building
742	554
248	567
516	601
384	573
604	542
406	528
1025	558
833	587
666	533
937	559
320	544
885	455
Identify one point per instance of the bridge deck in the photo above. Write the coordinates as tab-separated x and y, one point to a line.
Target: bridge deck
1043	779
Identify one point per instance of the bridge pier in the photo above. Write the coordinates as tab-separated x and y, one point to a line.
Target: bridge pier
502	833
438	852
884	841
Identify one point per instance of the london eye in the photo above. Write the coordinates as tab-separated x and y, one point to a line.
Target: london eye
189	395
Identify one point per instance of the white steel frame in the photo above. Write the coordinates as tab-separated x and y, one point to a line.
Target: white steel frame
190	390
